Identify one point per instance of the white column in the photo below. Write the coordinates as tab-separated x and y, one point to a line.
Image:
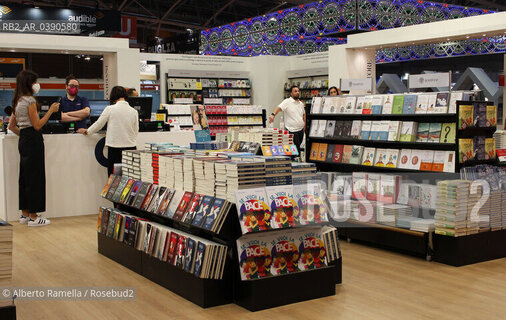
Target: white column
121	68
345	63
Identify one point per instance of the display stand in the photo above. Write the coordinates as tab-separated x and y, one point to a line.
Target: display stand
250	294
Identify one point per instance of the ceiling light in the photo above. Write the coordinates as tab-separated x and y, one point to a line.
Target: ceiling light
87	58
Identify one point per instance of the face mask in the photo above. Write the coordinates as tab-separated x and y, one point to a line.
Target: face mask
35	88
73	91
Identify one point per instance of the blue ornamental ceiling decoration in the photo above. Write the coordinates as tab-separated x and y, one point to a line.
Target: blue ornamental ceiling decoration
306	28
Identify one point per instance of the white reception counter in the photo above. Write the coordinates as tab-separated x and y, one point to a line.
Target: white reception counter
74	178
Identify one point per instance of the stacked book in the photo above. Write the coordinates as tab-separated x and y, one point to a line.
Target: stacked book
198	172
278	170
208	145
220	171
452	207
303	172
387	213
178	172
131	162
423	225
503	206
188	176
244	175
166	177
146	166
475	216
500	144
495	210
405	221
158	146
5	251
209	177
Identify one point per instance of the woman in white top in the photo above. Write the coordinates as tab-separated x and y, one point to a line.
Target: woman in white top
25	123
122	126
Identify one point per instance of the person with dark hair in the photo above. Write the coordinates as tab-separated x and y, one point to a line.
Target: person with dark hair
75	109
25	123
295	115
333	91
122	126
132	92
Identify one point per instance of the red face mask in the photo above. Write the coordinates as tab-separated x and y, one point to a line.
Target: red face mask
73	91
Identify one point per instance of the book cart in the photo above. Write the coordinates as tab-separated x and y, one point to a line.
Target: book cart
456	251
251	294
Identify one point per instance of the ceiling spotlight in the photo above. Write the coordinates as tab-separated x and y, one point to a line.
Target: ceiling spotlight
87	58
101	58
467	37
484	34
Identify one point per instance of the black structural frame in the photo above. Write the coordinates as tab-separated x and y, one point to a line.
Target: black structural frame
249	294
455	251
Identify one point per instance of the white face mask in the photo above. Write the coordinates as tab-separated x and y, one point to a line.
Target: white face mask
36	88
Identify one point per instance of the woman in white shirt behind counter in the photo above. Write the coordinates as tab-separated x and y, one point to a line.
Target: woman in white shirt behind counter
122	126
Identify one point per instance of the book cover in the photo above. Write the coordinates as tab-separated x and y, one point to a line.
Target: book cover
454	97
398	104
479	147
107	185
254	258
169	193
294	150
199	258
174	203
442	102
491	116
355	128
404	158
126	191
253	210
274	151
466	114
347	151
450	159
313	128
312	251
350	104
189	255
311	201
377	104
114	186
392	156
409	105
448	133
383	130
285	254
179	252
480	114
373	186
119	190
439	161
388	104
202	210
466	149
338	153
329	130
133	193
422	134
394	129
359	190
192	209
143	191
266	150
171	253
365	131
375	130
431	104
356	154
427	159
490	152
368	156
322	152
360	105
389	188
346	132
282	206
330	153
314	151
288	150
366	109
416	159
434	132
408	131
380	159
338	129
149	196
214	213
320	132
316	105
157	199
183	204
422	104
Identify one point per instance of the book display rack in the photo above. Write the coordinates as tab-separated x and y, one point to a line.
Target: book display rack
216	277
424	138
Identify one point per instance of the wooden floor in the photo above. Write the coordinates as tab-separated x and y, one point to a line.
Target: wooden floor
377	284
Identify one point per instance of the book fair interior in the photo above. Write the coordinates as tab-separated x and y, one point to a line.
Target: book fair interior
235	159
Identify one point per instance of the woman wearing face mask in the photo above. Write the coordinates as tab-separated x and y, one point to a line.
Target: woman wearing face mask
25	123
122	126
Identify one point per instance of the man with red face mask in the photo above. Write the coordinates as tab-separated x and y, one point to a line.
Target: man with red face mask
74	108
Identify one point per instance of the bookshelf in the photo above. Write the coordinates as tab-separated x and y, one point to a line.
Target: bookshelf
444	249
310	86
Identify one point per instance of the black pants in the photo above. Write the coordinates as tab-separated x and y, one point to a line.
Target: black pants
114	156
32	171
298	136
